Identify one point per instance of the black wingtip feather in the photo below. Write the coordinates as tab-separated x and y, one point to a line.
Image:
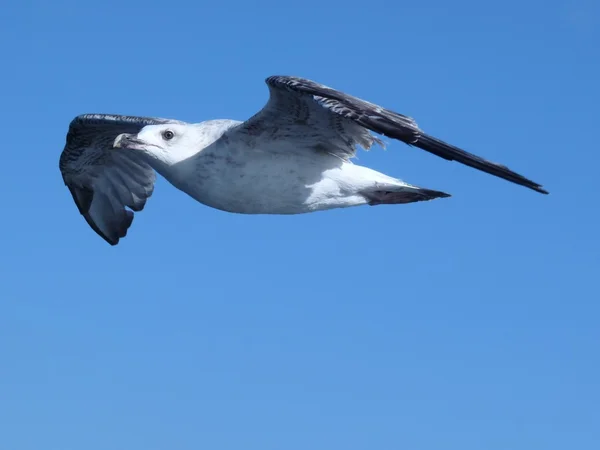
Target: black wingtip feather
452	153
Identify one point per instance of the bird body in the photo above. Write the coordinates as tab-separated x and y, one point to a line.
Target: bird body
292	157
228	175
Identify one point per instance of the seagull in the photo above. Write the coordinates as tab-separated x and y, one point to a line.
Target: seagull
292	157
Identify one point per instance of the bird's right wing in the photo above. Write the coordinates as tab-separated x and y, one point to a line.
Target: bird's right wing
102	180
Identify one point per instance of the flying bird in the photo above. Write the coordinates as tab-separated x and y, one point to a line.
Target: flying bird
292	157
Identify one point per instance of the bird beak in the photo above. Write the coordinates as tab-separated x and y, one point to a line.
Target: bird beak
126	140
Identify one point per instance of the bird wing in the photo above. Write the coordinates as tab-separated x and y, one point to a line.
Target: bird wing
104	181
317	117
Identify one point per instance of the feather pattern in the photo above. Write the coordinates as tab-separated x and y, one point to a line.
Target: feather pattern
103	181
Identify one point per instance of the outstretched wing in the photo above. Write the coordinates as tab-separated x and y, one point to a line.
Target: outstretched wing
302	109
104	181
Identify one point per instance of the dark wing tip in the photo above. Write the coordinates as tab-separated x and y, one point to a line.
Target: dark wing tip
119	223
98	231
452	153
116	230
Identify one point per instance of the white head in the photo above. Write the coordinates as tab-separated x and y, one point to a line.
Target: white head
167	144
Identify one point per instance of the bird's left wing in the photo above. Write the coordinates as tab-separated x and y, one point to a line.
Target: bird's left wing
104	181
302	109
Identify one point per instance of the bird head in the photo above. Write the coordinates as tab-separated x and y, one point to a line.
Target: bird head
168	143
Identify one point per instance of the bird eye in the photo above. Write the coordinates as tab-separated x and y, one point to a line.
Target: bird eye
168	135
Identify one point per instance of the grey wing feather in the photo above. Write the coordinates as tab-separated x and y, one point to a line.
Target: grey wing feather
299	117
103	181
292	105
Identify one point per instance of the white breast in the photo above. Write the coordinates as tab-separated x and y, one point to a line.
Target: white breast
256	182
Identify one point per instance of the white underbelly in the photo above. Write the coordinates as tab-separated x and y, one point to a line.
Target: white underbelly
273	184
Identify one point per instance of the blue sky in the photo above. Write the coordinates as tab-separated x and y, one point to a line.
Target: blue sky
465	323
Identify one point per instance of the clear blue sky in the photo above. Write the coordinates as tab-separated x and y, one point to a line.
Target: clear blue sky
466	323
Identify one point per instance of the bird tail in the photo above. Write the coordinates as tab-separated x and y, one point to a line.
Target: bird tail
397	195
452	153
